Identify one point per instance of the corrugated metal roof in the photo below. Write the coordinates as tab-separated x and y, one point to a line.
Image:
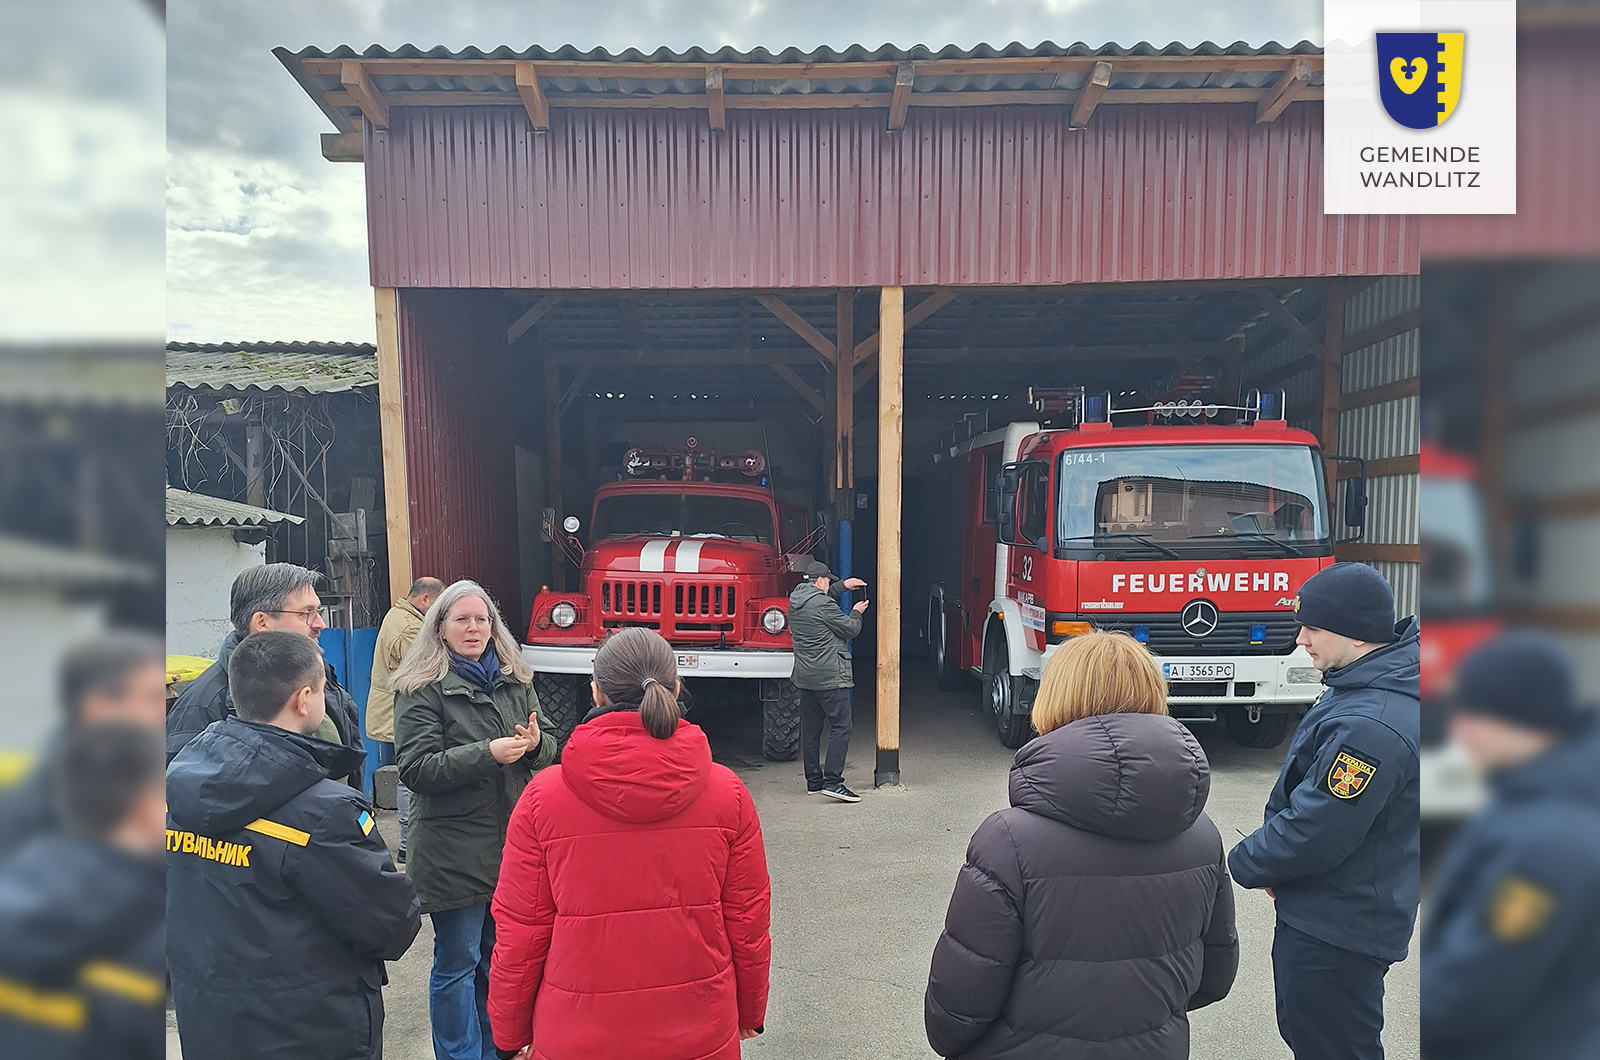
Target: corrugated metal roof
488	76
197	509
73	376
25	563
312	368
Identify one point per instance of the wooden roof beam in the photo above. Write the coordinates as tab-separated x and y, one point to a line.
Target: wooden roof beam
787	374
364	94
1288	321
531	317
925	309
343	147
532	97
1287	89
900	101
797	324
714	103
1095	87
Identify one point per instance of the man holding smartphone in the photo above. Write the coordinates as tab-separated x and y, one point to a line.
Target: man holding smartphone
824	674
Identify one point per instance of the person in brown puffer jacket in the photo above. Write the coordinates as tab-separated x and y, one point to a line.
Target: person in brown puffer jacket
1097	911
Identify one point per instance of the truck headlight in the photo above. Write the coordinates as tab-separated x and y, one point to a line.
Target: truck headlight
1303	675
563	615
774	621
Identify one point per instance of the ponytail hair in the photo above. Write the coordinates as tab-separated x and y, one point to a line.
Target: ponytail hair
636	664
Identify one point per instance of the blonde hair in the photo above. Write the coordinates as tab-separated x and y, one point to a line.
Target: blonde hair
1098	673
428	661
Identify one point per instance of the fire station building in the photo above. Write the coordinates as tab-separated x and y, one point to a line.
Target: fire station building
847	260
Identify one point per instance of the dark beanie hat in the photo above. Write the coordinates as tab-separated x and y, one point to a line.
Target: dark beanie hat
1350	599
1523	677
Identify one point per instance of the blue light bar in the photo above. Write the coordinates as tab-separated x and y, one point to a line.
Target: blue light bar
1258	633
1271	405
1096	408
1141	634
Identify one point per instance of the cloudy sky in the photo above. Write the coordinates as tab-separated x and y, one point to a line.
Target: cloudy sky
266	240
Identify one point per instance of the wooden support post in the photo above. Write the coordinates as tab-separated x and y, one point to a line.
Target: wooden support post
1497	342
552	417
844	406
891	425
391	426
1232	369
1288	88
531	317
591	450
1332	378
714	99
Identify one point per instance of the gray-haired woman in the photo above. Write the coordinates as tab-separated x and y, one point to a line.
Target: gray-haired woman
467	737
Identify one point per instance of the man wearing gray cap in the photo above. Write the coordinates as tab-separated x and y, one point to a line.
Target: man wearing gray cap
823	673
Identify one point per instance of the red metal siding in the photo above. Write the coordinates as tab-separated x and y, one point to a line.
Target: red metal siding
460	444
472	197
1558	159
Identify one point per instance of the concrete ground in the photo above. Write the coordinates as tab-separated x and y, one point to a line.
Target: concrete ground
859	891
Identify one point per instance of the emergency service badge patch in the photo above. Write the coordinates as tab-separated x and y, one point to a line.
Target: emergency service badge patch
1350	772
1519	909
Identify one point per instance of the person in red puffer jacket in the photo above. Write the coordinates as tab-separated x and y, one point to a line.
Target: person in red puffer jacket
633	905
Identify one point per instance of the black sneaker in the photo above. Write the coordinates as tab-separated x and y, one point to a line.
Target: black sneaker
400	857
813	791
841	793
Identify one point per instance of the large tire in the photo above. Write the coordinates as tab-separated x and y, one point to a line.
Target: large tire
944	667
558	701
1000	696
780	721
1268	732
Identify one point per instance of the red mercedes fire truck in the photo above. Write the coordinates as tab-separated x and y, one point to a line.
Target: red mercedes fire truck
1189	534
692	544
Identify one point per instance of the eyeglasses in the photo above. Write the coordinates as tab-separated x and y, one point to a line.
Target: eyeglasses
304	614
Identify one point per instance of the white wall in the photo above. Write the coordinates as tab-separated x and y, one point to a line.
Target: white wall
37	626
202	562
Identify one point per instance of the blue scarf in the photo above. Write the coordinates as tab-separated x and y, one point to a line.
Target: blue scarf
480	671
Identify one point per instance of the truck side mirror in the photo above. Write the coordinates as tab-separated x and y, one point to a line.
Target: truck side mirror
1007	482
1003	528
1355	502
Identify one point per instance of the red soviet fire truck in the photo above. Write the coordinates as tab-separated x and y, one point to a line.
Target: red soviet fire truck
1189	534
693	545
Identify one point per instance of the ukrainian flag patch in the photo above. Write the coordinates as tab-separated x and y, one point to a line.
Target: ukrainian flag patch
365	821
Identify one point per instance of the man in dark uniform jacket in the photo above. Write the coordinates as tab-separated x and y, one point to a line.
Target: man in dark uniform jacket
1340	847
273	596
282	902
1511	946
83	961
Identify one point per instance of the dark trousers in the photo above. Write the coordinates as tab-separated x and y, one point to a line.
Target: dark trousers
832	704
1330	1000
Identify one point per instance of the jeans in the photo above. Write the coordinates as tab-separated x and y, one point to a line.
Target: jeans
402	801
458	989
1330	1000
832	704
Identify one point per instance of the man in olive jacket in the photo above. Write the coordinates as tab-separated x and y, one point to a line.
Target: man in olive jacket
822	672
399	628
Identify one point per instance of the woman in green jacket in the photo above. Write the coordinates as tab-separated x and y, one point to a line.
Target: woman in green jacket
467	737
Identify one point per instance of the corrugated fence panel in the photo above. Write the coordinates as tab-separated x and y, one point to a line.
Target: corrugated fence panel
460	450
612	198
1388	428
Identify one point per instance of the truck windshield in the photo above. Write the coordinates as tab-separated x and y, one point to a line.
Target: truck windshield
686	514
1455	547
1191	495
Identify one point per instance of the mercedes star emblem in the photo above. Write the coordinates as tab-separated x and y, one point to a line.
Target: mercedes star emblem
1199	618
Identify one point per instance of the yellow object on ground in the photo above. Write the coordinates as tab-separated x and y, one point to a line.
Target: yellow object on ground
181	668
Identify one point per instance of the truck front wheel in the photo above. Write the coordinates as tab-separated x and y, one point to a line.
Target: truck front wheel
780	720
1000	696
559	700
1268	730
944	667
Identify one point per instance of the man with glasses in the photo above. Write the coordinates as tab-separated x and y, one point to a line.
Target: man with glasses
279	596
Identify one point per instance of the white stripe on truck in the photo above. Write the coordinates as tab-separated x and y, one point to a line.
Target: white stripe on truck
687	557
654	556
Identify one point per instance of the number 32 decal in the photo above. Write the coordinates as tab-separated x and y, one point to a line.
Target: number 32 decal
1027	568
